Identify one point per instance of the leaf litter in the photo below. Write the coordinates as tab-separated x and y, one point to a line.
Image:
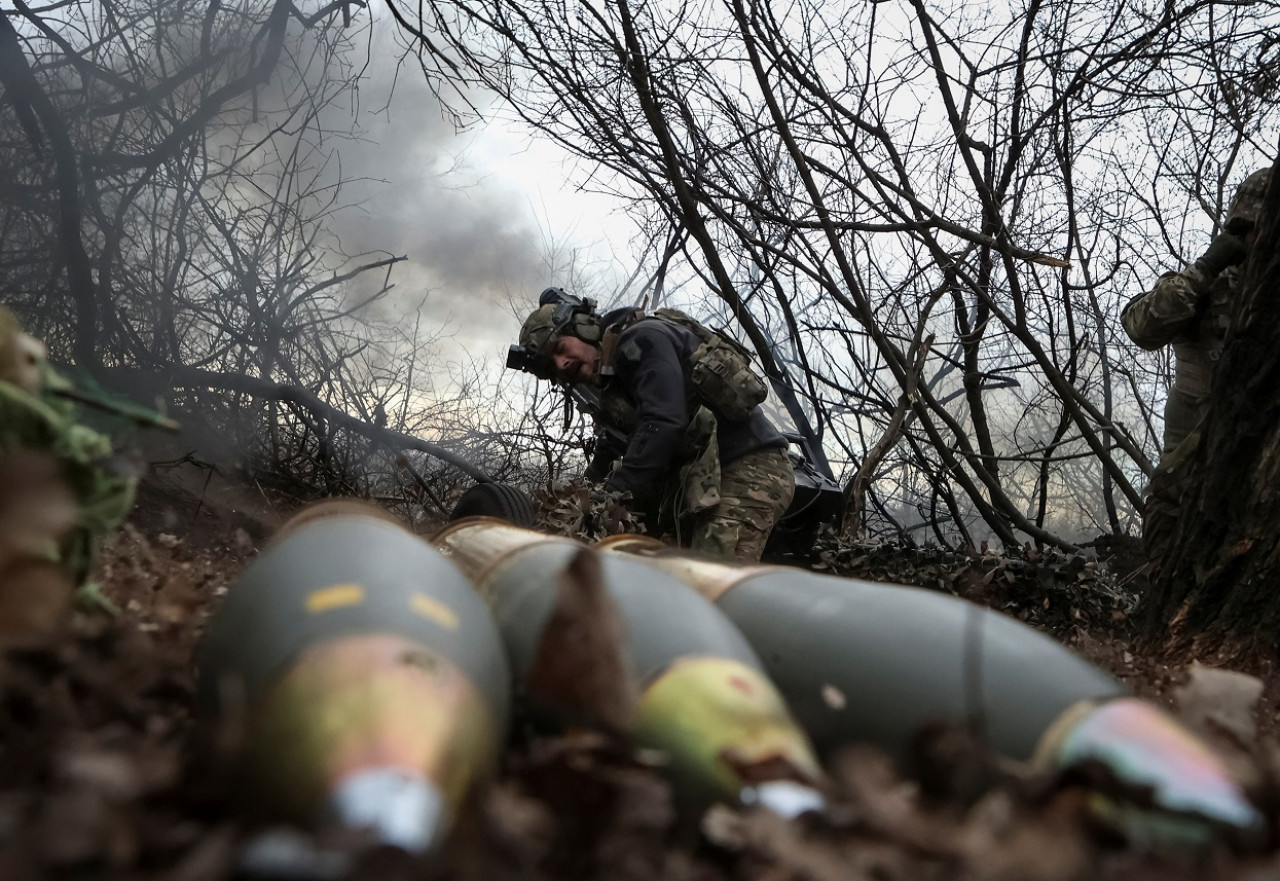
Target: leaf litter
105	772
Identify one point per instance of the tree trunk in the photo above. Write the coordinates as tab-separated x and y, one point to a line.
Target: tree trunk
1218	590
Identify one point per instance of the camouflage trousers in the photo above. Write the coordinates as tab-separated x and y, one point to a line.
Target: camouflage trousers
754	492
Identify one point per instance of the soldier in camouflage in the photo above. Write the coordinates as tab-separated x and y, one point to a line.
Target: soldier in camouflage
1190	310
729	479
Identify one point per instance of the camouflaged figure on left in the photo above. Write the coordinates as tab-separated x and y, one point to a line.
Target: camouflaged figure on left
729	479
1190	310
37	417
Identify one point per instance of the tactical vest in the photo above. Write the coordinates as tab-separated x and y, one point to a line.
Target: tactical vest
721	376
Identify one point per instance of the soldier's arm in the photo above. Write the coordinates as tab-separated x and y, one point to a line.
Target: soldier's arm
1157	317
649	366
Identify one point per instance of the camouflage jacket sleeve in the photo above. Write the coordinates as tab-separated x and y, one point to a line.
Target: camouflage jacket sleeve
1159	316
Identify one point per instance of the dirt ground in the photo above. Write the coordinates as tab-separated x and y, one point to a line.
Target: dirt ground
106	773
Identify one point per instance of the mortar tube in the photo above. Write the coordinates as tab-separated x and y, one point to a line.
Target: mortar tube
353	652
704	702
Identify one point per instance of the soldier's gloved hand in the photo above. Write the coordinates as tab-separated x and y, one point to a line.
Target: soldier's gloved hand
1227	249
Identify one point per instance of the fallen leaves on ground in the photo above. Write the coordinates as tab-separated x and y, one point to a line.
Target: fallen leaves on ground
101	778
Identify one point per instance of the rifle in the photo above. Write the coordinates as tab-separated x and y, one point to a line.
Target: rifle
586	400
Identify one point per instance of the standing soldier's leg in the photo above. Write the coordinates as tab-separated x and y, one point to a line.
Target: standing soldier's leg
754	492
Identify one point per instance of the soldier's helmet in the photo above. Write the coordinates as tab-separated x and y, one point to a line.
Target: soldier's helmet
560	313
537	338
1242	216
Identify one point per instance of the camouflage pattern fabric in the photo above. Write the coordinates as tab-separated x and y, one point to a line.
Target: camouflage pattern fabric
34	418
701	477
755	490
536	335
1247	203
721	373
1191	313
723	379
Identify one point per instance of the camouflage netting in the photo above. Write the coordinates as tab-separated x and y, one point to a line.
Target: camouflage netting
1049	588
1046	587
572	508
38	419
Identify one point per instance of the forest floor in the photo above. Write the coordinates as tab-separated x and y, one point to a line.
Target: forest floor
105	772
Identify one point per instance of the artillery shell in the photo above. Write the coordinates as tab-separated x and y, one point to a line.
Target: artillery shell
369	676
702	699
874	663
864	662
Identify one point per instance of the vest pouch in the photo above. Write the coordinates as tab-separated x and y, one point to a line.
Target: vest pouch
699	484
722	378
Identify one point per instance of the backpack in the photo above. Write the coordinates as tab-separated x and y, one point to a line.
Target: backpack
721	375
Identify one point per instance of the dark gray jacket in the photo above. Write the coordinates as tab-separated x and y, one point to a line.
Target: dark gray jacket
651	374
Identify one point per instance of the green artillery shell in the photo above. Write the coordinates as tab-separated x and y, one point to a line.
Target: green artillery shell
860	661
864	662
704	701
369	676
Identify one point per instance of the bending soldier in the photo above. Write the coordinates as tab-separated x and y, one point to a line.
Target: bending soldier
698	448
1190	310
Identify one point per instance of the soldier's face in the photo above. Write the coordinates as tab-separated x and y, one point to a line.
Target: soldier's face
575	360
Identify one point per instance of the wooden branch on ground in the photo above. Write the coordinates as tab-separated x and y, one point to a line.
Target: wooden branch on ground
181	376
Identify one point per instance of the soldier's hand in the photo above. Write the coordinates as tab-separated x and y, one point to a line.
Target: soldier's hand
1227	249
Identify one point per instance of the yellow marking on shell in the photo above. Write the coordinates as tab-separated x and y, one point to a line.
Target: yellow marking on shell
334	597
702	709
434	610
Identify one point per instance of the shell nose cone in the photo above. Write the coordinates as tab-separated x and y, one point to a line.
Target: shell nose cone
399	808
786	798
1145	746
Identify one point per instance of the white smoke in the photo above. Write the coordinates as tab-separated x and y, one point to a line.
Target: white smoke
485	216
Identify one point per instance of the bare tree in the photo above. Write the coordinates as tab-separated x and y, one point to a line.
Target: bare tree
853	180
165	206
